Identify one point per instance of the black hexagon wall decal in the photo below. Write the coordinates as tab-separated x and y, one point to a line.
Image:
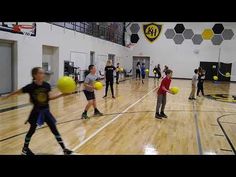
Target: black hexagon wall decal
188	34
170	33
134	38
228	34
134	28
179	28
217	39
178	39
218	28
197	39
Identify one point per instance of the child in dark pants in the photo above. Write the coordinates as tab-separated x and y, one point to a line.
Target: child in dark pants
201	78
40	94
161	99
143	72
89	92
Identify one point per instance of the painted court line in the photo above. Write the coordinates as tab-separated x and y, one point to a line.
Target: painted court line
108	123
199	144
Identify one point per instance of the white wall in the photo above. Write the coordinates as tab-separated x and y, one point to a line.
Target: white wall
29	49
181	58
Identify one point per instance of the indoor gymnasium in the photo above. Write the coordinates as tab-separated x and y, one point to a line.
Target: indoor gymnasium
117	88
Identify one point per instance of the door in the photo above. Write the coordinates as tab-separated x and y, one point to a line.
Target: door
141	59
112	58
5	67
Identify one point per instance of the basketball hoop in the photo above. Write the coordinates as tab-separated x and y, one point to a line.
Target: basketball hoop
26	30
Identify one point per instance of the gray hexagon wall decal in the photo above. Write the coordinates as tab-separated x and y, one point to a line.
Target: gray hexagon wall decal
217	39
170	33
188	34
178	39
197	39
134	28
228	34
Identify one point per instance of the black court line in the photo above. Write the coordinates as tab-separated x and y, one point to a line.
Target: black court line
197	131
218	135
229	150
214	125
223	130
228	122
14	107
21	106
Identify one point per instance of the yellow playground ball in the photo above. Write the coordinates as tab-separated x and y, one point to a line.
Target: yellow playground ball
174	90
66	84
98	85
121	69
147	70
154	72
227	74
215	78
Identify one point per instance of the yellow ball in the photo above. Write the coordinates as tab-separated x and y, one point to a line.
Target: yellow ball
154	72
215	78
227	74
98	85
66	84
121	69
147	70
174	90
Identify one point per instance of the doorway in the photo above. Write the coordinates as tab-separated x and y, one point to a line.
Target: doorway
141	59
112	58
7	66
51	63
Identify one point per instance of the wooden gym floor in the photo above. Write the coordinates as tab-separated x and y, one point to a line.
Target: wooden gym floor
128	126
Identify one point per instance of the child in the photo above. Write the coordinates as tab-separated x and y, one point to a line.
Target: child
40	94
143	72
89	92
117	73
161	99
201	78
138	68
194	85
109	70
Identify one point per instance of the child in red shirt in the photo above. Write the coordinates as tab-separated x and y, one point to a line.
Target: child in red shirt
161	99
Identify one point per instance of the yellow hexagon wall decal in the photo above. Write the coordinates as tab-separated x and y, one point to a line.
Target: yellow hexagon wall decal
207	34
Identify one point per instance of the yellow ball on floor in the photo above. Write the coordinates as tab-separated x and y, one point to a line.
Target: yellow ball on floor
66	84
174	90
215	78
98	85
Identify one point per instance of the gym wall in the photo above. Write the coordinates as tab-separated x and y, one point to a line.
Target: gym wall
30	49
183	51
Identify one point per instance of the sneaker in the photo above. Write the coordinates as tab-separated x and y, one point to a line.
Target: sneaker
67	152
84	116
190	98
27	151
97	113
113	97
163	115
194	99
117	83
104	96
158	116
